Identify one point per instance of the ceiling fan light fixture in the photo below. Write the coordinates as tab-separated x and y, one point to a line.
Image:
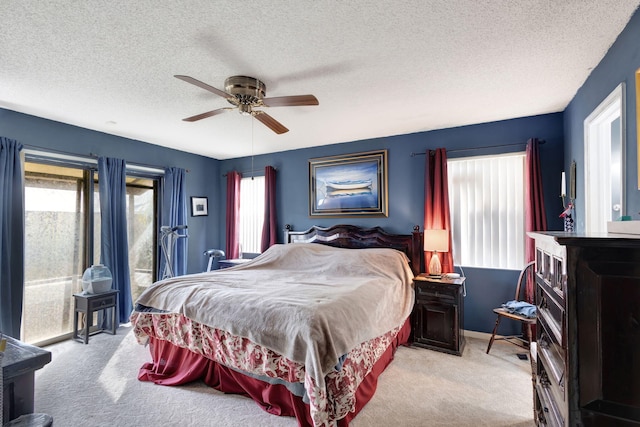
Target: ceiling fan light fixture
245	94
245	109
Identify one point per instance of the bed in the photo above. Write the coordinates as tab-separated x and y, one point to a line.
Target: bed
305	329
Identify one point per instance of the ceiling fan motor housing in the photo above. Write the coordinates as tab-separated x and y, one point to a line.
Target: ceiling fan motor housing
246	90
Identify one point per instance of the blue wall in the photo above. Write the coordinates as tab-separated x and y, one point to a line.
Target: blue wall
202	179
618	65
486	288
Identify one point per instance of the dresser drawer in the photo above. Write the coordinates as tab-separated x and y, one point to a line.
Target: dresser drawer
552	313
552	351
551	273
547	412
426	291
102	302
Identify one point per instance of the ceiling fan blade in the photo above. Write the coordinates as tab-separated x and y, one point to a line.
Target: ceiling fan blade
205	115
293	101
270	122
205	86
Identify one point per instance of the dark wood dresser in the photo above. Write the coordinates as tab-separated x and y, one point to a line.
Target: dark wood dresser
588	329
438	314
18	366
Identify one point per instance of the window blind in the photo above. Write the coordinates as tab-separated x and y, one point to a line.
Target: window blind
251	213
486	198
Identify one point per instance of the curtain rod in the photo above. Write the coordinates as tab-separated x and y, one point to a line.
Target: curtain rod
64	155
479	148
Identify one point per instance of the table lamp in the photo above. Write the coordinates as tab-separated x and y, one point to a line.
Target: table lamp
436	241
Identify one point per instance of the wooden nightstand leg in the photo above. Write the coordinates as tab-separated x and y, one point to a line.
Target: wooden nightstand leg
87	323
75	323
113	320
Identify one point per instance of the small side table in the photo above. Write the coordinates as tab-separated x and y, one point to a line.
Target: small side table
439	314
90	303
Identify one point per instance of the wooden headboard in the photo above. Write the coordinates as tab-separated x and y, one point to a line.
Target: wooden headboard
354	237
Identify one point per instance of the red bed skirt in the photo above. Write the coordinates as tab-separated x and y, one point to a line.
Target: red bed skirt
174	365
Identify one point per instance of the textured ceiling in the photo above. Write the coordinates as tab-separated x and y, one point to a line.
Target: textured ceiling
378	68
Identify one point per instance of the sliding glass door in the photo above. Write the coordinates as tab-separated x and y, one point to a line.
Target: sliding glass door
55	248
142	221
141	230
62	238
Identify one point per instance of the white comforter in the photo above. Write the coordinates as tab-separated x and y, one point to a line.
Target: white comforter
309	302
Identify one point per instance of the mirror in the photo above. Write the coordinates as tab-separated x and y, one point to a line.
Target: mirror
604	154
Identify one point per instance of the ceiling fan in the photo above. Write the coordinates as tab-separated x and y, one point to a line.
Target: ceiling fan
247	93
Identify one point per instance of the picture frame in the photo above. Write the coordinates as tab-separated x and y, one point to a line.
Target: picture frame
349	185
199	206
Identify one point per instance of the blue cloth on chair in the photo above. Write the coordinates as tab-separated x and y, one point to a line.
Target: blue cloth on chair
520	307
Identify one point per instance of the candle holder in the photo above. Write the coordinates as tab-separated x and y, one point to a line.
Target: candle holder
568	209
567	215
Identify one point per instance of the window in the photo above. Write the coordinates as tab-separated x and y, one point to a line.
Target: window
141	230
142	225
56	249
486	198
251	214
62	238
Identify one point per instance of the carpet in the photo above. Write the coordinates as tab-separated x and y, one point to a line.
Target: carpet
96	385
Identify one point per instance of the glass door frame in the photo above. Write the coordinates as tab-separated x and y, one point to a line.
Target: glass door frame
89	168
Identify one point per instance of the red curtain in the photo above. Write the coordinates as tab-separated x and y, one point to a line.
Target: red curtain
436	202
535	219
270	225
232	248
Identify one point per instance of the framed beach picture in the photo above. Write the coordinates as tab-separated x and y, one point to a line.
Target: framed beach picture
354	184
199	206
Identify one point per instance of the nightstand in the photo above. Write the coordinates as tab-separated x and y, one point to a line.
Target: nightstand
438	314
90	303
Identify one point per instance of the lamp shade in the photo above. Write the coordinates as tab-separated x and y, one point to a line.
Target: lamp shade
436	240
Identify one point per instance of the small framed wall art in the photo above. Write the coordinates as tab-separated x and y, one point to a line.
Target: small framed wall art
199	206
